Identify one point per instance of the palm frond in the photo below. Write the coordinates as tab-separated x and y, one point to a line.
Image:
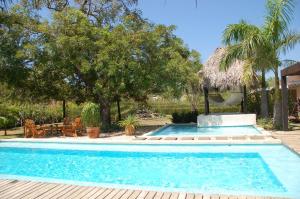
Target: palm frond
232	53
238	32
289	41
279	16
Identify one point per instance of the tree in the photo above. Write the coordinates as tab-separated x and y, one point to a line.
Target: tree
261	46
193	88
279	39
131	60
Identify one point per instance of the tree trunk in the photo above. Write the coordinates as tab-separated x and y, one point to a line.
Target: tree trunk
119	109
245	103
206	102
64	108
105	115
264	111
277	102
5	133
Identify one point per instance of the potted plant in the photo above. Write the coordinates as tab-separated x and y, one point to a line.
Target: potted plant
129	123
91	119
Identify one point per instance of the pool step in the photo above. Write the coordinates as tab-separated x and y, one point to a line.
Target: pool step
212	139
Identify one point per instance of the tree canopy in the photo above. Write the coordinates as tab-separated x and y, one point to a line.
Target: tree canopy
71	56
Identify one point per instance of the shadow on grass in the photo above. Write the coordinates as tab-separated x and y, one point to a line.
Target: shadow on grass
11	136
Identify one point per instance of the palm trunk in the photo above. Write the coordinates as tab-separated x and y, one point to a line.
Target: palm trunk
264	97
277	103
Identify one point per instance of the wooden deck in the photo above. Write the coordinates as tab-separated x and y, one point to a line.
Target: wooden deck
15	189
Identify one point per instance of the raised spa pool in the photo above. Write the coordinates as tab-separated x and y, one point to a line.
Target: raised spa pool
267	170
192	129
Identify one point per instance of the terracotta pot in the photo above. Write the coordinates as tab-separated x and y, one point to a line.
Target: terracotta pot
93	132
129	130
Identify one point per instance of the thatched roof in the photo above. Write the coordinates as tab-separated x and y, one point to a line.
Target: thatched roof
214	77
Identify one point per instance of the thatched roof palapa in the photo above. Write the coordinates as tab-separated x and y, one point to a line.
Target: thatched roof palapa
214	77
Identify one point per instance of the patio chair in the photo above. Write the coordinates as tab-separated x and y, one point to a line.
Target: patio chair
72	129
31	130
79	128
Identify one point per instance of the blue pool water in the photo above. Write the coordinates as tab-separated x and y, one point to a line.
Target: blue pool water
257	169
192	129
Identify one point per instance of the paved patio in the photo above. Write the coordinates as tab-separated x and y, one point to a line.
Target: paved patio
290	139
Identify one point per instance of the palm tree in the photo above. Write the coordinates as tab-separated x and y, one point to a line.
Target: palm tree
262	46
243	42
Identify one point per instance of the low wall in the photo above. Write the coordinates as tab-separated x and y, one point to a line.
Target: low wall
226	120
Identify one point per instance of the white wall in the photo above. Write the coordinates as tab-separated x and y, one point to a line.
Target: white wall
226	120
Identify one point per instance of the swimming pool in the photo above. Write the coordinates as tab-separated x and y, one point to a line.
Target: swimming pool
192	129
237	169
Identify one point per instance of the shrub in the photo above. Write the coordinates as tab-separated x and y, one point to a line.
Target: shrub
91	115
185	117
266	123
130	120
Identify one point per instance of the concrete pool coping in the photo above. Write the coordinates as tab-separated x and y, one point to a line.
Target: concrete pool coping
156	140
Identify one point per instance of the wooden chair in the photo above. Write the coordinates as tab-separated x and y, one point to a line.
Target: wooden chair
72	129
32	131
79	129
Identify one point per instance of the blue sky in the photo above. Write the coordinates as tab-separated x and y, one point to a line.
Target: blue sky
201	27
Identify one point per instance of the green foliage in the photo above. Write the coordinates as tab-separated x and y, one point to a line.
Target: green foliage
266	123
40	113
185	117
74	57
130	120
91	115
4	122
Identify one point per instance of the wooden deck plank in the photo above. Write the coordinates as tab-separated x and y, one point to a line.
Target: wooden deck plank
12	185
166	195
90	193
60	193
215	196
73	193
158	195
150	195
135	194
83	192
190	196
42	191
23	191
105	193
182	196
31	190
120	193
174	195
112	194
223	197
198	196
143	195
53	192
4	182
98	192
18	186
126	194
